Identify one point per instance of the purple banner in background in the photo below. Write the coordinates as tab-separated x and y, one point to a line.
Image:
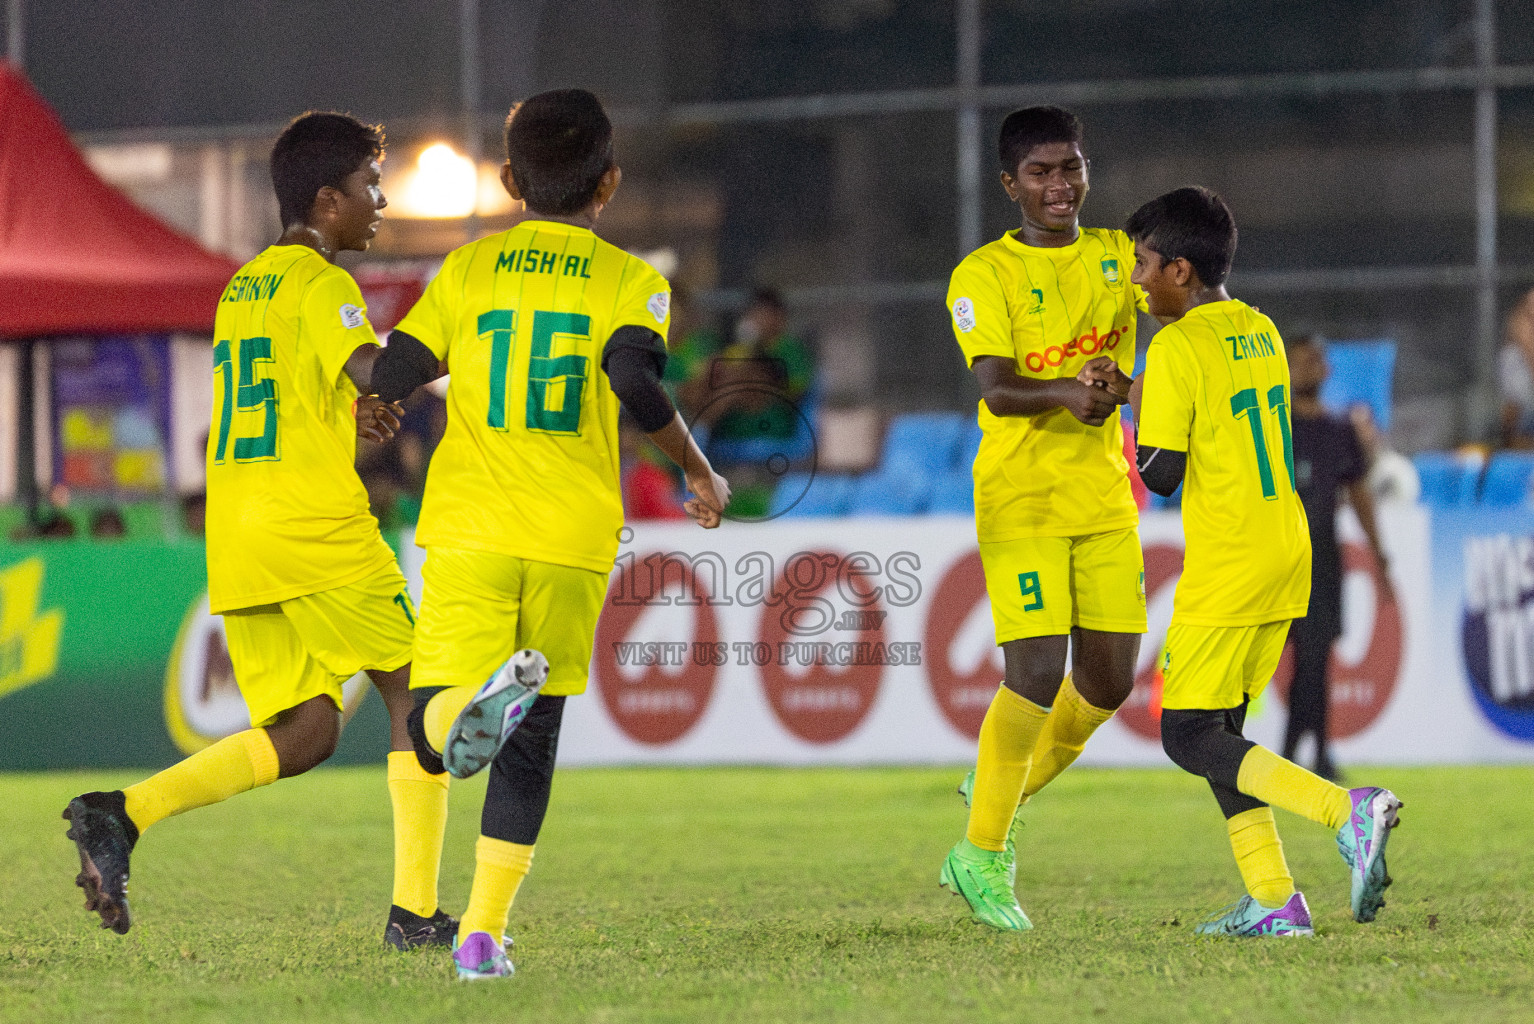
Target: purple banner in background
111	413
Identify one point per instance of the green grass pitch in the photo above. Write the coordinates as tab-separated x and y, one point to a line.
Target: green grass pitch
773	895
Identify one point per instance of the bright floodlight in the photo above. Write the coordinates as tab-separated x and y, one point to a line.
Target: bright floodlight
444	184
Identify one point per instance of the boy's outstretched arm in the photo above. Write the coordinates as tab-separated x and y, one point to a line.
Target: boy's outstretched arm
634	359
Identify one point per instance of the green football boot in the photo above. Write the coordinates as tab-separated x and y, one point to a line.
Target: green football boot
980	876
967	791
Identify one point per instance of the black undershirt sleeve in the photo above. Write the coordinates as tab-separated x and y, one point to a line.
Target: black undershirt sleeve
404	365
634	359
1162	469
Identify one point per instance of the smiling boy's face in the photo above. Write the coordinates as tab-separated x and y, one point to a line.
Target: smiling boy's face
1050	185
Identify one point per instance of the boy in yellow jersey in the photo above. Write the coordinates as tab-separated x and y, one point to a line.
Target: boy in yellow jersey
1056	521
309	591
546	329
1213	407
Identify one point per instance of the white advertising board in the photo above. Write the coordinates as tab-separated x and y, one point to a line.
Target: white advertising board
864	641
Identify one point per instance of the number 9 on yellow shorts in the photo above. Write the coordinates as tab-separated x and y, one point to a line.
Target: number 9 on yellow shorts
1042	586
1211	668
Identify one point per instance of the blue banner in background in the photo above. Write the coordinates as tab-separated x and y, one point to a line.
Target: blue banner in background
1483	585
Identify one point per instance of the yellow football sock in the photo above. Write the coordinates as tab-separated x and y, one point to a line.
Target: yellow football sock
232	765
1260	856
1007	739
1285	784
420	816
499	868
1072	721
442	710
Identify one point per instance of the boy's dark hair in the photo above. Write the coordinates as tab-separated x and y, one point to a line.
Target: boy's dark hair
317	149
559	145
1034	126
1190	223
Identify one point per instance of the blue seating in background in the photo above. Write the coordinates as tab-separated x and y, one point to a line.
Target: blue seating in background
1506	482
969	445
1363	372
892	491
806	495
1448	480
953	493
926	443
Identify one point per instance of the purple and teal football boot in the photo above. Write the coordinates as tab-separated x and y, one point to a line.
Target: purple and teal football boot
493	714
1362	844
481	957
1247	918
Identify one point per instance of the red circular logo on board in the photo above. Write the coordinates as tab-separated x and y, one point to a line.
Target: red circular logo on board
1359	690
962	696
655	692
1141	713
818	699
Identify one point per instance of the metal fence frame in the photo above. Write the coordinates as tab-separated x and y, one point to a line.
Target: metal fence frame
966	99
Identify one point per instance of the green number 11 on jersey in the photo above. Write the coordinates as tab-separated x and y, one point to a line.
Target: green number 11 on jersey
1244	403
555	384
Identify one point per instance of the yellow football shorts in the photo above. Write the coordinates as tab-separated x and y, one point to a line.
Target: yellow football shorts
1042	586
1212	668
287	653
479	608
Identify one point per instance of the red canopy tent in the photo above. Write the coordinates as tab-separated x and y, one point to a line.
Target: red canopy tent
76	256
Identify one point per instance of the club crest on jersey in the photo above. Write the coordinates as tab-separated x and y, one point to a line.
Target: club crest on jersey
1038	301
351	316
964	314
659	305
1111	271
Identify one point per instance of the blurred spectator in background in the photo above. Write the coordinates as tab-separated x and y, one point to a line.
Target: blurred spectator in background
194	514
1516	376
692	346
754	404
1392	477
649	489
107	523
763	358
1327	459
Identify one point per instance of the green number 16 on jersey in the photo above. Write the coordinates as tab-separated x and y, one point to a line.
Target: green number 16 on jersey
555	384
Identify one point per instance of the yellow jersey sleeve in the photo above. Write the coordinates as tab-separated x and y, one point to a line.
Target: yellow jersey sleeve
335	321
643	300
1170	394
434	317
982	324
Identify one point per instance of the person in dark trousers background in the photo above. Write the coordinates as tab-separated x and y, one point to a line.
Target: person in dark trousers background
1328	459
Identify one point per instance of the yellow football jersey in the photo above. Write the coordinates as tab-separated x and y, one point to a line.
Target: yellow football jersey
1217	387
287	515
1049	310
528	465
